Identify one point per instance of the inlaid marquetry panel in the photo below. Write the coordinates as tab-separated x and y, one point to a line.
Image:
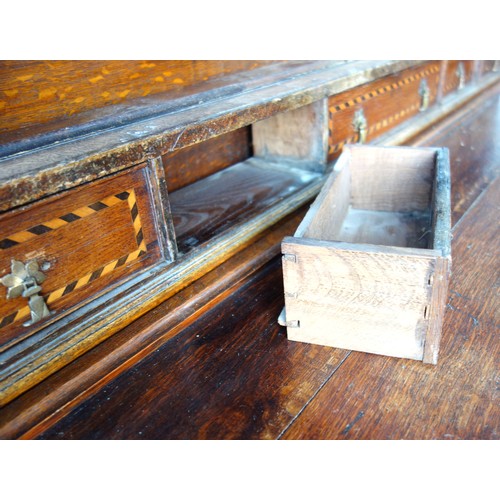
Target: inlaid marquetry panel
83	242
384	104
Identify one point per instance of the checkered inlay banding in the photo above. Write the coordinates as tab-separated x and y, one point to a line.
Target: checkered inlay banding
33	232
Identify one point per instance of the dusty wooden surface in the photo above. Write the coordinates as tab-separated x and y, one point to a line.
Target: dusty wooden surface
233	374
57	96
217	203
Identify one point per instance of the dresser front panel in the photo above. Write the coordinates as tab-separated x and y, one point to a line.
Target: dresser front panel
83	241
384	103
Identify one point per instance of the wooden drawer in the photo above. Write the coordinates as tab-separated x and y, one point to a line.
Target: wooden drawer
83	242
368	267
382	104
456	75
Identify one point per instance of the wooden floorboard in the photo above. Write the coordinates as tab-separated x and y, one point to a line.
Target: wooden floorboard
233	379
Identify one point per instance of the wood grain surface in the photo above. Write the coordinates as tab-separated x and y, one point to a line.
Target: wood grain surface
216	203
473	150
196	162
300	134
88	240
175	124
34	411
270	395
213	381
44	95
368	298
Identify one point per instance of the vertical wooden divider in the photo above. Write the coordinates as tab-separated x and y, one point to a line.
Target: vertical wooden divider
299	136
163	213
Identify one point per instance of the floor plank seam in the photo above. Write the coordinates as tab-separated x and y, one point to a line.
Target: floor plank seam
283	432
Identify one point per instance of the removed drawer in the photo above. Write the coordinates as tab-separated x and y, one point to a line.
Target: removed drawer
368	267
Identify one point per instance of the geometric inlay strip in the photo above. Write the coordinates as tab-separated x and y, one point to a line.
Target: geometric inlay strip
382	90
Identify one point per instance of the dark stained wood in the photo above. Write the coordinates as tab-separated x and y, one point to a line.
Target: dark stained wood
196	162
58	399
216	203
455	404
237	379
64	340
385	103
373	397
474	154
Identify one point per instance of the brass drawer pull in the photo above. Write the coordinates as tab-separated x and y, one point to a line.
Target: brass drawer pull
425	95
25	281
361	126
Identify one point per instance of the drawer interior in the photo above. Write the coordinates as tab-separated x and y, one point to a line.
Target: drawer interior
380	196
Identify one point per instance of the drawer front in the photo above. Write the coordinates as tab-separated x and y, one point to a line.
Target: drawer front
456	75
384	104
81	242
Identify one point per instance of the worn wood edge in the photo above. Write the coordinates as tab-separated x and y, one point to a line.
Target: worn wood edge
341	164
163	212
361	247
438	298
442	204
26	178
412	127
99	320
33	413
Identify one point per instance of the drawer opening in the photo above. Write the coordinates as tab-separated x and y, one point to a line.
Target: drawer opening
250	177
380	196
219	202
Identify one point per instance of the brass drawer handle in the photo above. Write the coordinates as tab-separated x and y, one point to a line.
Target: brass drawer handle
25	281
361	126
425	95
